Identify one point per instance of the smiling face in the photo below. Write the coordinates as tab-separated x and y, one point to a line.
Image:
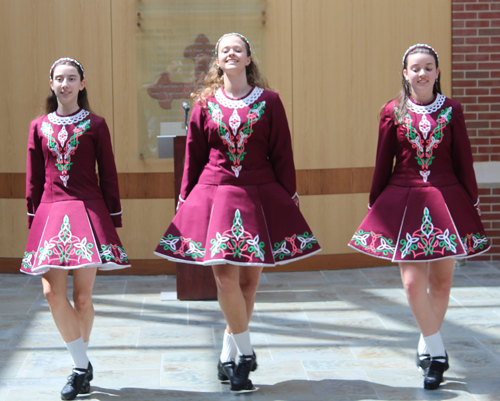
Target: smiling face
232	57
66	84
421	73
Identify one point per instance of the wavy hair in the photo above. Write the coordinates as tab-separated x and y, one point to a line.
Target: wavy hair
215	79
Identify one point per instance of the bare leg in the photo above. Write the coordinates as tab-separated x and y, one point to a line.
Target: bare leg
83	283
440	276
55	283
76	322
414	276
231	298
249	283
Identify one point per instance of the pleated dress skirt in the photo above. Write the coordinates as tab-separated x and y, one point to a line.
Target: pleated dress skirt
421	224
73	234
256	225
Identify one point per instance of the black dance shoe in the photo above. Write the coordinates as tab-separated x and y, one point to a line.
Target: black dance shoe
225	370
74	384
86	384
424	360
239	381
434	375
224	377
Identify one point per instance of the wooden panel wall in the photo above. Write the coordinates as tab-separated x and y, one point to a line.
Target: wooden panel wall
346	65
334	63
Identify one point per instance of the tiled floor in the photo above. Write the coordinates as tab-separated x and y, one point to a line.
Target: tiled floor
330	335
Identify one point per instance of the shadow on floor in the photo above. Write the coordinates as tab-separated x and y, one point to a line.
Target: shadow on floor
296	390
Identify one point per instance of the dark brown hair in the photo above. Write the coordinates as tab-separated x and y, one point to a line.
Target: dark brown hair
51	100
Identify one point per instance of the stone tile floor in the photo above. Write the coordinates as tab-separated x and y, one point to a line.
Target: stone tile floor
326	335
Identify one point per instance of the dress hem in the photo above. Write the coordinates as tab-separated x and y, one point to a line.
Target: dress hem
225	261
459	256
100	266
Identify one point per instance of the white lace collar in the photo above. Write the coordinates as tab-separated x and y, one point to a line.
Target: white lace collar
67	120
240	103
428	109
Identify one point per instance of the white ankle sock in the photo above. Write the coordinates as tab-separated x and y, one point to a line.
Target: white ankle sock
242	341
435	346
229	349
422	346
78	353
86	346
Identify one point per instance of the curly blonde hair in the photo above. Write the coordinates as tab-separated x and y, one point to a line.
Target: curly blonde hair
215	79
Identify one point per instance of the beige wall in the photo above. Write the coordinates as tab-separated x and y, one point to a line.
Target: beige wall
334	63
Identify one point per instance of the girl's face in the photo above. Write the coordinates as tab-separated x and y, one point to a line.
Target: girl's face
66	84
421	73
232	55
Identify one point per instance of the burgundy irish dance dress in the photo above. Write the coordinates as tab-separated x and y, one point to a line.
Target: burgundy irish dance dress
72	214
237	188
427	206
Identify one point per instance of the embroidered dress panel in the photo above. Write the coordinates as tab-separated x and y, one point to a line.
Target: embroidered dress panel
237	242
65	247
235	138
420	140
63	152
428	239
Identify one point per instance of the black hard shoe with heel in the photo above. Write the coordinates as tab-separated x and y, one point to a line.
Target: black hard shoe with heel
240	383
434	374
230	366
74	384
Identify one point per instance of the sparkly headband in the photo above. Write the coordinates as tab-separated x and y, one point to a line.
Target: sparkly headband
236	34
419	45
72	60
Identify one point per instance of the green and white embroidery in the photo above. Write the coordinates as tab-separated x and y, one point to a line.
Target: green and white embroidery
423	142
293	245
113	253
182	246
235	137
27	262
63	150
428	240
474	242
237	242
65	247
375	243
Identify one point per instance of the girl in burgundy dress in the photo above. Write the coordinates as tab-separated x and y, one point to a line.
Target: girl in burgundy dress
72	213
424	211
238	208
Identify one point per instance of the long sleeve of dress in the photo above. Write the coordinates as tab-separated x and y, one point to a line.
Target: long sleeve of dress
196	152
108	177
461	154
385	153
35	173
280	148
